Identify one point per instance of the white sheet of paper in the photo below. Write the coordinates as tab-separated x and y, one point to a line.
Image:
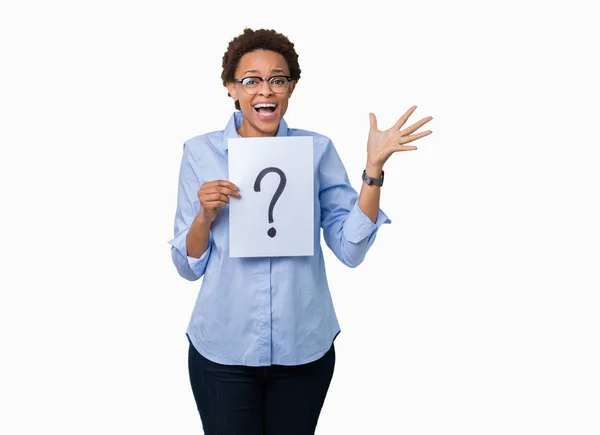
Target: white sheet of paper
292	212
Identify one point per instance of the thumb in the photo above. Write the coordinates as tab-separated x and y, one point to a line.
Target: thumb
373	121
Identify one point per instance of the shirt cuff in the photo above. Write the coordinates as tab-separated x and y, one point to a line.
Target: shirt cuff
197	265
358	226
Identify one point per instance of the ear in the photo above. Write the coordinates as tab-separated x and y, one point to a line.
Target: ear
292	86
232	91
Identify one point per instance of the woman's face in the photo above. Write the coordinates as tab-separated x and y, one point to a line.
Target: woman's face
264	121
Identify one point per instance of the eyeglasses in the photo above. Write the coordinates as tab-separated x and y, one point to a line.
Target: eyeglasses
277	84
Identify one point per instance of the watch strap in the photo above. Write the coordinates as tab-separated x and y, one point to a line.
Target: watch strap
371	181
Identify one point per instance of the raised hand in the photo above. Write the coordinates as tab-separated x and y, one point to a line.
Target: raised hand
382	144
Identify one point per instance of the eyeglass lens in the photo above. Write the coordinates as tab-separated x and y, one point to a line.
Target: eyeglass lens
252	85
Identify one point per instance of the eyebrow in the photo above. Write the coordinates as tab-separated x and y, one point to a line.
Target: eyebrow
273	70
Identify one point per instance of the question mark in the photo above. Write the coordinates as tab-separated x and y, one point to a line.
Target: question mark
282	182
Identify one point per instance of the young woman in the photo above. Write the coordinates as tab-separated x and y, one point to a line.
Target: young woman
261	334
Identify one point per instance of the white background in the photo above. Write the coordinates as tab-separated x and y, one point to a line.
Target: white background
475	312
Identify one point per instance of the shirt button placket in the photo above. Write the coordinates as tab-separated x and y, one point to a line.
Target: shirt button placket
265	298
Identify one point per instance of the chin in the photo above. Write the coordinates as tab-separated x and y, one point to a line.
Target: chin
266	127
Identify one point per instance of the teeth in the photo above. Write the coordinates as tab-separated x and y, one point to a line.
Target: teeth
258	106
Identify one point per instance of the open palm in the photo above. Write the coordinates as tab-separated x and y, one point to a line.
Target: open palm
382	144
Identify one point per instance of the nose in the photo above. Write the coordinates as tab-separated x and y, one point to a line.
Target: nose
265	88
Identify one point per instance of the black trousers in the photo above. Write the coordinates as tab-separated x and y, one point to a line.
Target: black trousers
270	400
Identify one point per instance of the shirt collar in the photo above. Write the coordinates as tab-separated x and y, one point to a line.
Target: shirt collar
236	121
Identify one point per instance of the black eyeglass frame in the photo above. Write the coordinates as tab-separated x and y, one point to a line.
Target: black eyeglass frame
262	79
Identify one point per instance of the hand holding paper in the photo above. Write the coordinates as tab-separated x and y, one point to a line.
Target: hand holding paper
214	195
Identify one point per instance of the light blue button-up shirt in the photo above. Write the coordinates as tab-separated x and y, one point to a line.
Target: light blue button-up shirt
266	310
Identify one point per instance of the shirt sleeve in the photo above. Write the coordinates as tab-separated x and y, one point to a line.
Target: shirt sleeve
188	207
348	232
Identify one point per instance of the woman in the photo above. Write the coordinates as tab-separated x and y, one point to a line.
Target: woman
261	334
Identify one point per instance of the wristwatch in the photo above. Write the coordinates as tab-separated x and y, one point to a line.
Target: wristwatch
372	181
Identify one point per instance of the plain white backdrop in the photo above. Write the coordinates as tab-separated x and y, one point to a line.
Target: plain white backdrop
475	311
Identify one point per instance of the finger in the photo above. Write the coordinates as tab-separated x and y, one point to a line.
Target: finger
404	148
407	139
209	197
404	118
415	126
224	190
373	121
214	205
218	204
217	183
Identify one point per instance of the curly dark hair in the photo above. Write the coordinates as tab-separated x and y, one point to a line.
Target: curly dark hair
252	40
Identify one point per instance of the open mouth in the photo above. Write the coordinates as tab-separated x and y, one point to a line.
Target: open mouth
265	111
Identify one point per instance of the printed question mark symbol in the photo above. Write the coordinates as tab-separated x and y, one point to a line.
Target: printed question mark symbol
282	182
